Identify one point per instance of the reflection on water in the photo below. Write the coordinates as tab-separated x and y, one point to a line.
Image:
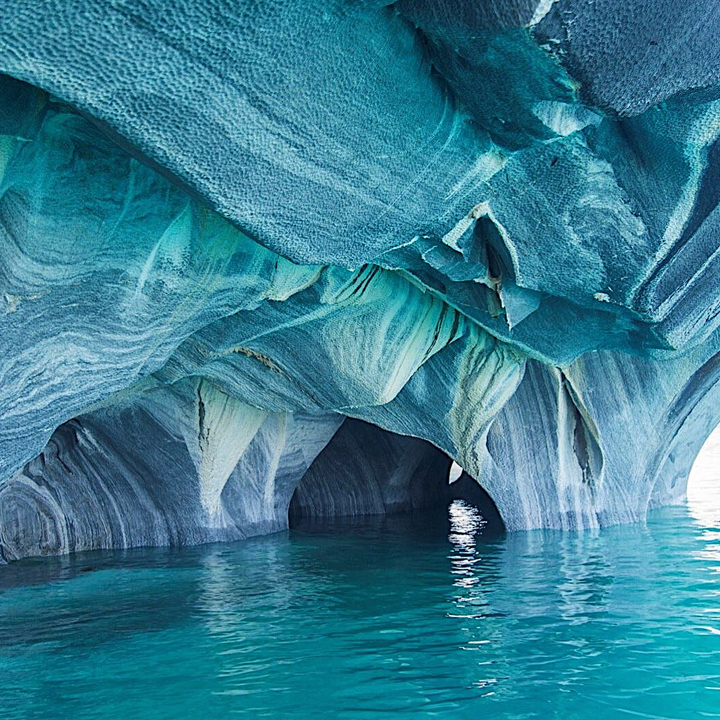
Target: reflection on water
414	617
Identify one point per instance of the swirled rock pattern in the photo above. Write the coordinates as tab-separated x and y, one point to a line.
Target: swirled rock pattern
321	248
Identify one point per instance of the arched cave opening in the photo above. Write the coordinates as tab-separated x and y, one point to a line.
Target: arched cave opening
703	486
366	471
689	465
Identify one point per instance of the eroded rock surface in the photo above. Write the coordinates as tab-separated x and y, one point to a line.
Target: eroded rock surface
488	230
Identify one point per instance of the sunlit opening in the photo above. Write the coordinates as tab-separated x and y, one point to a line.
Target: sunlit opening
703	492
470	493
455	472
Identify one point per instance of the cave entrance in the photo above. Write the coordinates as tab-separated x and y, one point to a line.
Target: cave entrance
703	488
366	471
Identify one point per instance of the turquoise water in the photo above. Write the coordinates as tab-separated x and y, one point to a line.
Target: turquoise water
375	619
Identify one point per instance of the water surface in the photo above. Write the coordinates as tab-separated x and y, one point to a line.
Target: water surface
373	619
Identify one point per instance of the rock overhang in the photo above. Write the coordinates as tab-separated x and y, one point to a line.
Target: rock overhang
452	222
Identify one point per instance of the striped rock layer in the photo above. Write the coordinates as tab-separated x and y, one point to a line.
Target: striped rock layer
299	256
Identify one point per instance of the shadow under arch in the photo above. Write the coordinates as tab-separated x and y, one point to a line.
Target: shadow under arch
368	471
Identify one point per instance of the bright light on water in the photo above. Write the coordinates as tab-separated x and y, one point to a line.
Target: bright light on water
375	619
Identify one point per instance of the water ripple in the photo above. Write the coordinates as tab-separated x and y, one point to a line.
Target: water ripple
373	619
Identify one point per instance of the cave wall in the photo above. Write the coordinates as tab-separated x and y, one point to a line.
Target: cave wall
177	466
489	227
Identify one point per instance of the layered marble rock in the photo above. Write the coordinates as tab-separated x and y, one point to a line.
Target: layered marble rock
390	474
329	246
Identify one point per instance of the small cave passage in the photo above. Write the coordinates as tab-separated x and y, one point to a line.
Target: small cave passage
366	471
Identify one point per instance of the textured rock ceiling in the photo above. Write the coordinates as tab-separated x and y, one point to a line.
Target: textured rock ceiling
245	244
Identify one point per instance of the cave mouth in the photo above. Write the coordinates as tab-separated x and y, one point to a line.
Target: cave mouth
367	474
703	487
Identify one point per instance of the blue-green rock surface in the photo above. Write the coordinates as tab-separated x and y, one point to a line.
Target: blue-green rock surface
249	247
